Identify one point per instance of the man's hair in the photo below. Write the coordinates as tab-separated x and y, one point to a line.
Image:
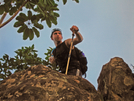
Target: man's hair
55	29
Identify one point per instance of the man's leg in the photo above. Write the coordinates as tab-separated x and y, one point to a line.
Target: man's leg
75	72
78	72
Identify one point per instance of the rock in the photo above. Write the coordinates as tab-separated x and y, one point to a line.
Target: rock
40	83
116	81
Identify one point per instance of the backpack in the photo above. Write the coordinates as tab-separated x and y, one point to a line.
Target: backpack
82	59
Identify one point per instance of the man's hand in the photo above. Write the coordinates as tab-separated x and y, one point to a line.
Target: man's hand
51	59
77	39
74	29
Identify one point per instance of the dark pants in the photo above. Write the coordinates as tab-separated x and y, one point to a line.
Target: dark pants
75	72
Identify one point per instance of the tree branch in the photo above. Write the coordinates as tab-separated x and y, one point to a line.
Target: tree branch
3	17
1	25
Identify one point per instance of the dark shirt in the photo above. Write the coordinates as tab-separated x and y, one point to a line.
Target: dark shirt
61	53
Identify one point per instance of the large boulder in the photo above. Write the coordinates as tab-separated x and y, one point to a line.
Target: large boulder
116	81
40	83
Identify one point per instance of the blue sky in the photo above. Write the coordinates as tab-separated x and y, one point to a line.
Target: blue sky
106	26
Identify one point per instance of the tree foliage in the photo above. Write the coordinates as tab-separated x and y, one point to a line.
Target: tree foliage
24	58
37	11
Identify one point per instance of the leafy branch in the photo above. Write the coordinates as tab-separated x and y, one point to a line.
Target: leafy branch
24	58
1	25
38	11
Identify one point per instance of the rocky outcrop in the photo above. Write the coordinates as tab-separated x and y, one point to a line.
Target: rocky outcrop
40	83
116	81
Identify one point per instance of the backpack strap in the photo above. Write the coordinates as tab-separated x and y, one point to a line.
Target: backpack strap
52	51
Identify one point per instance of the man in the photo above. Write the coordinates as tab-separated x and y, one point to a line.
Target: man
61	52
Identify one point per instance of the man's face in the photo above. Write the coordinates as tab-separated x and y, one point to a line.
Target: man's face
57	36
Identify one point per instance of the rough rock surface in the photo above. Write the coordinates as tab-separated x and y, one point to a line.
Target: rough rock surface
116	81
40	83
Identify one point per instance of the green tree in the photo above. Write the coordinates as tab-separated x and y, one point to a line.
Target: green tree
24	58
37	11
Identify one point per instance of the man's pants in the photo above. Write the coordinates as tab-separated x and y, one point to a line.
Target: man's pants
75	72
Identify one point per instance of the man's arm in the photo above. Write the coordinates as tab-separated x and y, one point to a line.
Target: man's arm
77	39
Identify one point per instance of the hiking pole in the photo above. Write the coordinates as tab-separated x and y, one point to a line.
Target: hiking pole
71	46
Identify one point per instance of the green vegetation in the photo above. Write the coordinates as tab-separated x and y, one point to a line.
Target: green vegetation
24	58
33	13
